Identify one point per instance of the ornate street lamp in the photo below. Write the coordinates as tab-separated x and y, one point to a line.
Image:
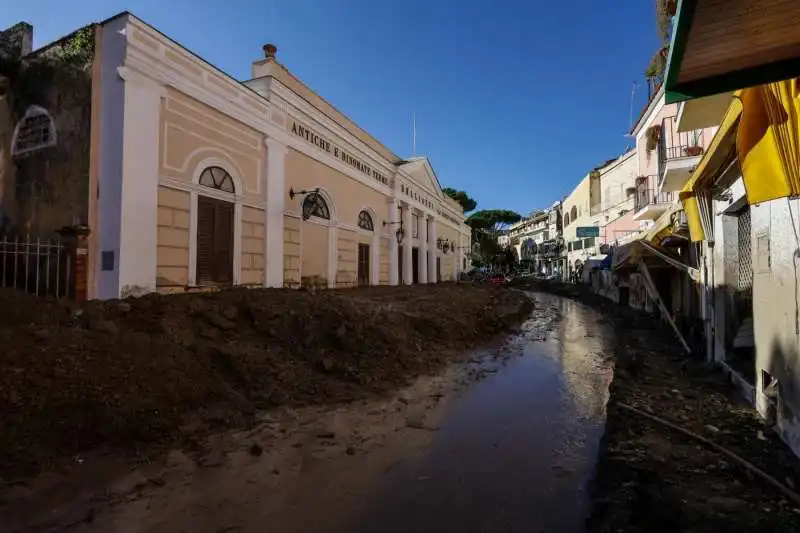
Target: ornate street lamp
400	233
311	194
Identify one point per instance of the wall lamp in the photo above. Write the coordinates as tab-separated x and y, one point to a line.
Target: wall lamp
304	192
444	245
400	233
312	194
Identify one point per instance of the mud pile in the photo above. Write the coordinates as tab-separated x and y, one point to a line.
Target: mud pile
163	368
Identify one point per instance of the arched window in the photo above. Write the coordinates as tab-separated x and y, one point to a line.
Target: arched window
35	131
365	221
573	213
217	178
314	205
566	220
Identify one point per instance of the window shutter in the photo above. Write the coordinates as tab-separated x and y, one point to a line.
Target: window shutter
223	242
205	239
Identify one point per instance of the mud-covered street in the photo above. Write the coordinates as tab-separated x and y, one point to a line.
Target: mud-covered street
530	431
505	440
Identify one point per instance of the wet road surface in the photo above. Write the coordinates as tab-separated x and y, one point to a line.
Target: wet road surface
511	452
516	452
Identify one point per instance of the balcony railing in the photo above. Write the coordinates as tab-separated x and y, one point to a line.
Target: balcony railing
648	194
674	144
651	197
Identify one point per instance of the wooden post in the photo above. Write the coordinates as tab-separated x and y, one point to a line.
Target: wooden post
651	288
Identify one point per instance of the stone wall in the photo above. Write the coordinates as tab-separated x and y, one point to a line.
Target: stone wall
45	133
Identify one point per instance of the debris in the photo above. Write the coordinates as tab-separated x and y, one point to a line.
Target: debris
128	373
256	450
650	477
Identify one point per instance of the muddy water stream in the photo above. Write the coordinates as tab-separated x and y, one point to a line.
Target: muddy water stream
504	442
517	450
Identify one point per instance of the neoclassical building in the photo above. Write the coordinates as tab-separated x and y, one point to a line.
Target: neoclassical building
197	178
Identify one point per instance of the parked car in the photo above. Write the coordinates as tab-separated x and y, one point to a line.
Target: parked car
497	279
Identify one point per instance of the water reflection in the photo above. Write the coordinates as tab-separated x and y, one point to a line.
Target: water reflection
516	452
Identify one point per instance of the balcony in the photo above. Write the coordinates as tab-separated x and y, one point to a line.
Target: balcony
678	154
648	202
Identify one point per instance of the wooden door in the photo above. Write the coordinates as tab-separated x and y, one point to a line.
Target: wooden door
400	263
363	264
214	241
415	265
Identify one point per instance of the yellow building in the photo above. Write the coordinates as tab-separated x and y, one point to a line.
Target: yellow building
200	179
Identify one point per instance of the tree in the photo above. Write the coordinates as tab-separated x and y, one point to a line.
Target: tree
487	225
492	220
467	203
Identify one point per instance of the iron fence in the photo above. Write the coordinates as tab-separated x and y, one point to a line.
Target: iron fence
37	266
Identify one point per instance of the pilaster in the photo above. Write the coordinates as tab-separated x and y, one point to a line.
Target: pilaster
432	251
422	253
408	266
275	188
394	267
137	255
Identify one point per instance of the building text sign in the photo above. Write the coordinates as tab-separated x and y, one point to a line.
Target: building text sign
326	146
587	231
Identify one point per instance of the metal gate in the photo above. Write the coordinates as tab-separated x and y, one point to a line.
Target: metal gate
745	278
38	266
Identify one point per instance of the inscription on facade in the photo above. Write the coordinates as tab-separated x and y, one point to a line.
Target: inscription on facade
326	146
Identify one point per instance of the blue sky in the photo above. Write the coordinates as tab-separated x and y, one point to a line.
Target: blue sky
515	101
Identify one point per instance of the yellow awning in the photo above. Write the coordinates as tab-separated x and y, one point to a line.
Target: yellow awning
720	153
692	210
768	143
663	227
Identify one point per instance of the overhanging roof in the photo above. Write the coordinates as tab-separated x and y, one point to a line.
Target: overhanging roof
725	45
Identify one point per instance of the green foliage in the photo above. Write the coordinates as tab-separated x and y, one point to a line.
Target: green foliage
493	220
658	64
32	77
653	136
665	9
78	48
486	226
467	203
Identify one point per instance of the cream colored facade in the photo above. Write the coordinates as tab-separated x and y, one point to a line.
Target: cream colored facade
170	116
576	212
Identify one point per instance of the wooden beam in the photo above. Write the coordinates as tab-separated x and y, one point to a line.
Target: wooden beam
651	288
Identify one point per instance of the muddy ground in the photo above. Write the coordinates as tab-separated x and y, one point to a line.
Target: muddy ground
149	374
652	479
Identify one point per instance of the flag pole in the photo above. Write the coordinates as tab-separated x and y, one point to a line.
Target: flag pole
413	134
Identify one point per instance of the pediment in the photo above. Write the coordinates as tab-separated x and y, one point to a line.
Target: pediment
421	172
